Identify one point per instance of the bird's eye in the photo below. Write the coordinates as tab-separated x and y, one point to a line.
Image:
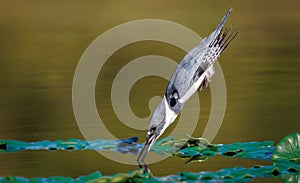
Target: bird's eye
172	102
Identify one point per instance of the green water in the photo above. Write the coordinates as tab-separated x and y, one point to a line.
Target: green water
42	42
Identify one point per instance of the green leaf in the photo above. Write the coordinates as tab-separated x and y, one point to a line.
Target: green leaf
288	148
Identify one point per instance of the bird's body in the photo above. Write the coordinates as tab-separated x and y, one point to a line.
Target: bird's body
192	73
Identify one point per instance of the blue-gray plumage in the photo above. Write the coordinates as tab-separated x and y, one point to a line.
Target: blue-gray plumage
192	73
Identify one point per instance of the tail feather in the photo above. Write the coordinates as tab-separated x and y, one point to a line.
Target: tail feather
217	31
221	24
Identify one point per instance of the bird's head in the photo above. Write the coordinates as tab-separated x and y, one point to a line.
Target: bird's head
161	118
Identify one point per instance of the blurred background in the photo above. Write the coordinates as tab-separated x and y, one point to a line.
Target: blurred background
41	43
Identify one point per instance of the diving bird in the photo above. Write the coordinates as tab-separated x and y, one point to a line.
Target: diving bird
192	73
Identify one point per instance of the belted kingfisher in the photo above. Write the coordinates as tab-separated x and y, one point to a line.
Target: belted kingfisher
192	73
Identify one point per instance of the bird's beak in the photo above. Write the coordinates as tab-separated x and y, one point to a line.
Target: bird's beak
150	140
143	153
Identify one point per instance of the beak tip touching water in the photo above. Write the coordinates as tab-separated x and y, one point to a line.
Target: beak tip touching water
151	138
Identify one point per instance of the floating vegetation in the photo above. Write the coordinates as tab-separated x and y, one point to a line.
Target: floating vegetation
285	157
184	148
199	149
238	174
85	178
288	149
124	146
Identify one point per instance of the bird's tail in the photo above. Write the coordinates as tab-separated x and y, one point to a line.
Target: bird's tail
214	44
217	31
221	24
217	41
220	38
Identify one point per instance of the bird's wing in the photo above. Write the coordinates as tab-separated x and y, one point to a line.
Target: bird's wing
191	71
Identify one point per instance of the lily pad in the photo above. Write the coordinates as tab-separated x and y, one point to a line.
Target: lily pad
288	149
